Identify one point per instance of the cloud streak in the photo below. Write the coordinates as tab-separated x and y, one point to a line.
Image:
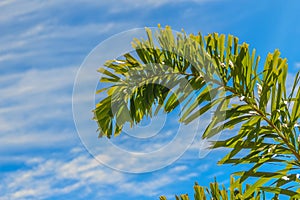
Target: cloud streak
48	178
35	98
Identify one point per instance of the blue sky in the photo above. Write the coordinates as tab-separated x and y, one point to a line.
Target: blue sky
44	43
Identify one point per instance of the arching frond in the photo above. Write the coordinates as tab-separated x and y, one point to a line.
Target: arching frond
201	73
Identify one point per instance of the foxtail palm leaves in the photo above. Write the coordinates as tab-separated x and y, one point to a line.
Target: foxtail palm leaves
214	191
212	73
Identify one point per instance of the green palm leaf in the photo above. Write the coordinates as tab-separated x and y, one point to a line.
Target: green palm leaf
201	73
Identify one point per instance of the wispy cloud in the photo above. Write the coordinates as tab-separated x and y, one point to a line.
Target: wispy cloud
127	5
56	177
29	9
35	98
297	65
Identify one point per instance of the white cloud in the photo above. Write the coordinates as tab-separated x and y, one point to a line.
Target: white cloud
14	10
179	168
20	11
34	98
37	42
48	178
36	81
119	6
36	140
297	65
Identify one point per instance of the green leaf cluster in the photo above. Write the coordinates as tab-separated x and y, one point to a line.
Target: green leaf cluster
215	191
212	73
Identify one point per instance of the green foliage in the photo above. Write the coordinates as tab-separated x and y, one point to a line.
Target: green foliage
204	73
235	192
